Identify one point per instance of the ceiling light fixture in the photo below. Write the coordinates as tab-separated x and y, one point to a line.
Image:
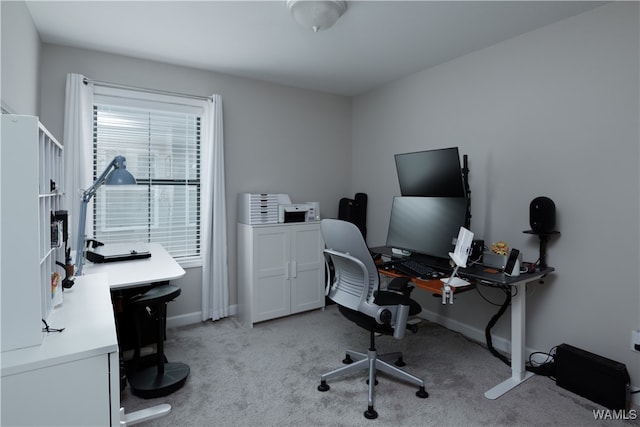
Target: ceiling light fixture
316	14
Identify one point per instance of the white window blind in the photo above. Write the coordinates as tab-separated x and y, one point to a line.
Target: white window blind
162	148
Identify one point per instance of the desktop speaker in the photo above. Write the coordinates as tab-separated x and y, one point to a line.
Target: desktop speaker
542	215
594	377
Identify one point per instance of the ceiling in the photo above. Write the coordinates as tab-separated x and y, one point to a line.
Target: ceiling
373	43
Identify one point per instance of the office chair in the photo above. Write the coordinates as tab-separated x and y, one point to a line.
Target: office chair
354	288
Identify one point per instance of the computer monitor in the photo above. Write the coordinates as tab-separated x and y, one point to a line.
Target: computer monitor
431	173
426	225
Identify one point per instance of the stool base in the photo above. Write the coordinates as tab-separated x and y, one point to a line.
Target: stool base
148	384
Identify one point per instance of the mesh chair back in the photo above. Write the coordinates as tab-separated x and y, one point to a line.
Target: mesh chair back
356	277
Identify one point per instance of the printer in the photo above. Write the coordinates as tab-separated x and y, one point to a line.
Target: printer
299	212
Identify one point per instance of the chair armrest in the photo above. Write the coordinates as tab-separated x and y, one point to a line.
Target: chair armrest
401	285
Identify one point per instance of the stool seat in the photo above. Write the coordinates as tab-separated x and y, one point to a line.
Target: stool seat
157	294
164	377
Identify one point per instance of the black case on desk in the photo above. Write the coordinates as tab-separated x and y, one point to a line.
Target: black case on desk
594	377
99	258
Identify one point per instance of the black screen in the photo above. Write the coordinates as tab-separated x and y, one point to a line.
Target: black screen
426	225
432	173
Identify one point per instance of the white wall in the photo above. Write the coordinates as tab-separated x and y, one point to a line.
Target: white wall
554	113
20	60
277	139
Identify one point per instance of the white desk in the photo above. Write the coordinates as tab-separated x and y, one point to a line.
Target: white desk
129	274
72	378
132	273
519	374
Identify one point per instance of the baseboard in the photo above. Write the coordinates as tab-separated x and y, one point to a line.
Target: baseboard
184	319
193	318
468	331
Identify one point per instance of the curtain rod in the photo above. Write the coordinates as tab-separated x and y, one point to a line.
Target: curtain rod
142	89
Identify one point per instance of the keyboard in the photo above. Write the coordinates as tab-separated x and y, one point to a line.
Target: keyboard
414	268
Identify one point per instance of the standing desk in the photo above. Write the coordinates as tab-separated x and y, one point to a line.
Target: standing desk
518	318
518	315
135	273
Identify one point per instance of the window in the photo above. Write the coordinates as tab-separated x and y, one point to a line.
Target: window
161	142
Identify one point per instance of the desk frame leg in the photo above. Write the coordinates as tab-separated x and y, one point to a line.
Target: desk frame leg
518	371
143	414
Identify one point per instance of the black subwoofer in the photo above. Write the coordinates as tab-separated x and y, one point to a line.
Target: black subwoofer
594	377
542	215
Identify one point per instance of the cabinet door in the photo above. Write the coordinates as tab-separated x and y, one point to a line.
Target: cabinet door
307	268
69	394
271	296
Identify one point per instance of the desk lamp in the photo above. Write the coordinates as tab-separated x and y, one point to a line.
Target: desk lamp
116	173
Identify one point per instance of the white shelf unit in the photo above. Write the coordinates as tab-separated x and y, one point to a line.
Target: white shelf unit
31	179
280	270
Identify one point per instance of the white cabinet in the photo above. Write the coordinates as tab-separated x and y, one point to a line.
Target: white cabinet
31	190
280	270
72	378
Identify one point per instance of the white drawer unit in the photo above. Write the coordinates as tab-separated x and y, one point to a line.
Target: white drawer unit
257	208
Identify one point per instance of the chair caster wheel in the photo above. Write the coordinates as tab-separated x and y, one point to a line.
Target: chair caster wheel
400	362
323	386
370	413
347	360
422	393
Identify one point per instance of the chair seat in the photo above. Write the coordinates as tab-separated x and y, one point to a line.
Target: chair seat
369	323
155	295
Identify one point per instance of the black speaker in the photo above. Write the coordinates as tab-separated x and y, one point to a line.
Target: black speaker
542	215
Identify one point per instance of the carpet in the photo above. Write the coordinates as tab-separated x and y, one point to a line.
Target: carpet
268	376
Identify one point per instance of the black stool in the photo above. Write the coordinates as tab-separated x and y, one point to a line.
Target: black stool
163	378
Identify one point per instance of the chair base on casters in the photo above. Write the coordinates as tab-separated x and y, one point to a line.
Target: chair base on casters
148	383
372	362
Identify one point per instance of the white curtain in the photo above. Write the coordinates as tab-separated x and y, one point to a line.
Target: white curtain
78	122
215	277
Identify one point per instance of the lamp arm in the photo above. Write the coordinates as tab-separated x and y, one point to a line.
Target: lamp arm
91	191
82	223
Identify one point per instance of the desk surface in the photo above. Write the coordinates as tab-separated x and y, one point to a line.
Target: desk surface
431	285
477	274
139	272
86	315
491	276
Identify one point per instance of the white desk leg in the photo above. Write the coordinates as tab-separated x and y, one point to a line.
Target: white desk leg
518	372
143	414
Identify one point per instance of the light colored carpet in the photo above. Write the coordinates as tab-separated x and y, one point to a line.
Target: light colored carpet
268	376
